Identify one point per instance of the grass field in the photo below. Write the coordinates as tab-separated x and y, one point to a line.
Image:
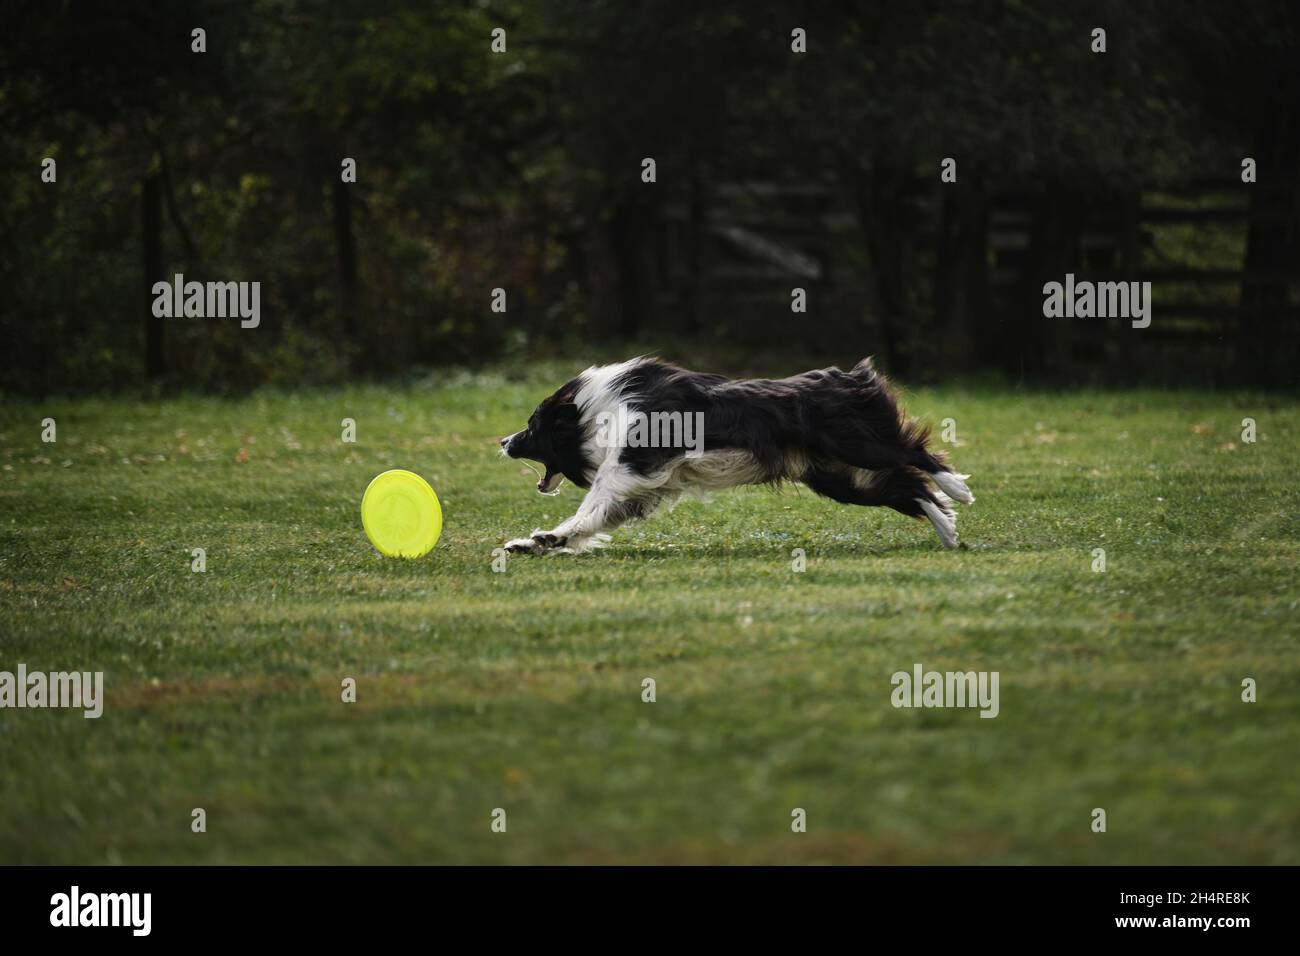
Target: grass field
522	690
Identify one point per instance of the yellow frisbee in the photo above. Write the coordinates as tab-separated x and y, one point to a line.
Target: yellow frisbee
401	514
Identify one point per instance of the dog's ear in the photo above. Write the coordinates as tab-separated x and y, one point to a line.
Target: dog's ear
566	412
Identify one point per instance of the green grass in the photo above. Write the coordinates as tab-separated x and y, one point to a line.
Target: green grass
522	689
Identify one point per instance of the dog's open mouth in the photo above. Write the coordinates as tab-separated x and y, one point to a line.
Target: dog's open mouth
550	483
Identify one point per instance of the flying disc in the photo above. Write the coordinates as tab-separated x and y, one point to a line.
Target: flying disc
401	514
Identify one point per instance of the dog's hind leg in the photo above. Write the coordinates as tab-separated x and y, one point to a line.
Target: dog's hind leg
872	433
859	446
953	485
903	489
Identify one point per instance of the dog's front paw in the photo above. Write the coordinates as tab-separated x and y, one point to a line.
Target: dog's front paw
539	543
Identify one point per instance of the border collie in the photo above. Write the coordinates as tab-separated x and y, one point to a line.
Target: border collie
839	433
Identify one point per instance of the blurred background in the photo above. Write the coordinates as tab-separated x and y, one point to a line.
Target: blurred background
522	170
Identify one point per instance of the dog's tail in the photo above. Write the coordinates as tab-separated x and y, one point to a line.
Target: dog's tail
914	437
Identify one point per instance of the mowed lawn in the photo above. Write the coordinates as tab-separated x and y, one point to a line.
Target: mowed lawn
522	690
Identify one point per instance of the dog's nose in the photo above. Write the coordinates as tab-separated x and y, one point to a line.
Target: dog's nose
506	441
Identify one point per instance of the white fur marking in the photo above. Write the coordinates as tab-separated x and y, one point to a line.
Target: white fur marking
712	471
954	485
862	478
945	524
601	393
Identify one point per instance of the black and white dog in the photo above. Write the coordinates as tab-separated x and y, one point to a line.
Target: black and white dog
642	433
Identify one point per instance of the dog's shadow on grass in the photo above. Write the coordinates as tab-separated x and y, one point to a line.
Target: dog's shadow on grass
784	551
